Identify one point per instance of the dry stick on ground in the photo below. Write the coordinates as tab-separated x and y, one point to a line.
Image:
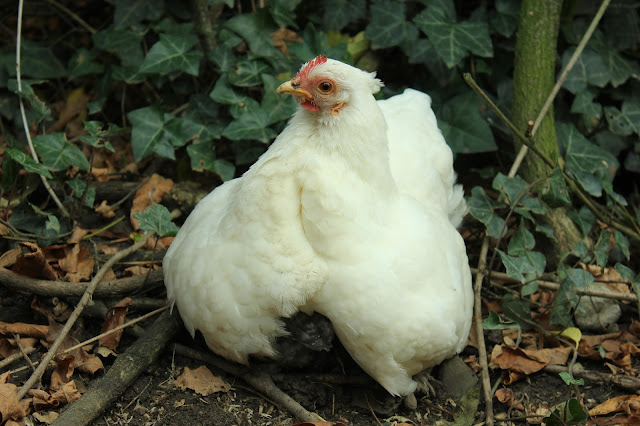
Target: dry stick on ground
126	368
67	289
45	182
260	381
86	297
627	382
563	76
597	210
18	355
137	331
550	285
477	316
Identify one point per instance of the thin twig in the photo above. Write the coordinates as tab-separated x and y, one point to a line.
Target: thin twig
23	352
101	230
86	297
563	76
118	328
477	316
572	61
592	205
45	182
550	285
18	355
74	16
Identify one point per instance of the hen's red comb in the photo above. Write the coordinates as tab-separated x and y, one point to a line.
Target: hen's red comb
304	72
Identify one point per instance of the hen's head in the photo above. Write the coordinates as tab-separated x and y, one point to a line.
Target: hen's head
327	86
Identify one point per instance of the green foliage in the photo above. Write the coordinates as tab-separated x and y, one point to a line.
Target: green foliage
216	111
567	413
156	218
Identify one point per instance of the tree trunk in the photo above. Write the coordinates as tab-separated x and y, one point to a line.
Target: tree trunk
533	80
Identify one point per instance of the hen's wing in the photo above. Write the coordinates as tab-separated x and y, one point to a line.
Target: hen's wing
241	261
421	161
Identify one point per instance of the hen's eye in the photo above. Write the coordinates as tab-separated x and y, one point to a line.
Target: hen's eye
325	87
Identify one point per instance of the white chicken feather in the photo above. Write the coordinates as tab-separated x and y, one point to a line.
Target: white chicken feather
350	213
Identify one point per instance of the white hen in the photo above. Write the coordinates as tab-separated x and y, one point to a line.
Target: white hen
350	213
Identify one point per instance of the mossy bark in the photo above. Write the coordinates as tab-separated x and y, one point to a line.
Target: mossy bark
533	80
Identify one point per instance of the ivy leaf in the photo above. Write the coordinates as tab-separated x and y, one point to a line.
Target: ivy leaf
81	63
283	12
622	243
453	40
78	187
58	154
506	20
482	208
224	93
389	26
590	164
554	190
196	127
567	297
278	107
130	12
147	130
620	68
173	52
222	56
584	218
464	129
156	218
517	310
40	109
583	104
567	414
526	267
601	250
203	157
339	13
251	125
39	62
26	161
254	27
248	73
124	43
624	122
495	322
522	241
627	274
590	68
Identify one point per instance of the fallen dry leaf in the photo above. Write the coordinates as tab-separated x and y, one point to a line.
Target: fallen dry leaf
24	329
84	361
75	105
10	407
78	235
149	193
202	381
506	396
78	263
10	257
46	417
517	360
105	210
114	317
63	372
540	413
34	263
322	423
629	404
280	38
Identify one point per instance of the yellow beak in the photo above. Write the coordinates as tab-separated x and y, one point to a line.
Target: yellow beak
293	88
